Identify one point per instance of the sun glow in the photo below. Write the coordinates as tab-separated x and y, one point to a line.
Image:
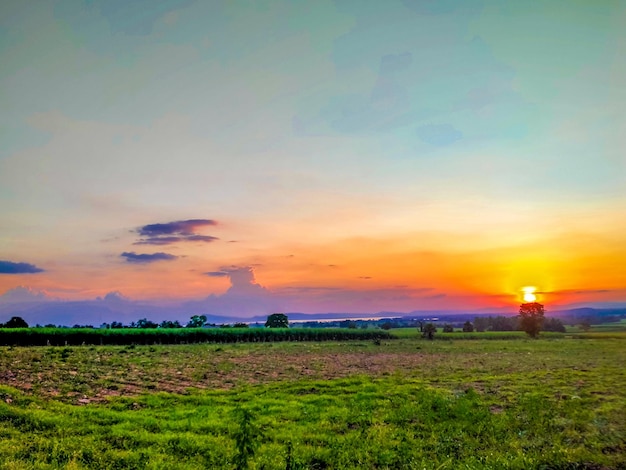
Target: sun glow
529	294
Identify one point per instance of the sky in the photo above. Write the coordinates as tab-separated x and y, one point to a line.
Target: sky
327	156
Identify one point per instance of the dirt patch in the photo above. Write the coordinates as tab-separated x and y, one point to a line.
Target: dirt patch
93	374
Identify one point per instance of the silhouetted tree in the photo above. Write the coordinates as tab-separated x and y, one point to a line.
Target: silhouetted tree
240	325
197	321
531	317
447	328
277	320
468	327
145	323
15	322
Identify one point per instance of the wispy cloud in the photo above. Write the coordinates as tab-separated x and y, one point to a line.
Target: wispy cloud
9	267
216	274
133	257
175	232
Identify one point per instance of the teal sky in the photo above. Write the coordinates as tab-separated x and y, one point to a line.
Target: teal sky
316	134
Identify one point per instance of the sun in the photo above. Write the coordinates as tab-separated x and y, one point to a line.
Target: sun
529	294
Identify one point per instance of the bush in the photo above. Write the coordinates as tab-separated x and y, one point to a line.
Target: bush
429	331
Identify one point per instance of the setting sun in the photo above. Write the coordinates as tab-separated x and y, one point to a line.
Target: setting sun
529	294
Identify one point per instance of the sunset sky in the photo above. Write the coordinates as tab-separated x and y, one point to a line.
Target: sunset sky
315	156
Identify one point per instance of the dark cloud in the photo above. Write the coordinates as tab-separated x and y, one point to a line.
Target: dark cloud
171	240
216	274
158	241
9	267
175	232
133	257
181	227
365	277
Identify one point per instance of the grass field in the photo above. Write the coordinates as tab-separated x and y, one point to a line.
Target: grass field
505	402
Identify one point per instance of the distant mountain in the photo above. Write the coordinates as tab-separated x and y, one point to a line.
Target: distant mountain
38	307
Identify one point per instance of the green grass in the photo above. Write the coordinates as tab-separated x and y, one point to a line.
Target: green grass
556	402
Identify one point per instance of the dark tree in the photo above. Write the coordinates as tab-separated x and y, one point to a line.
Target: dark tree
448	328
197	321
481	324
554	324
277	320
429	331
145	323
16	322
531	317
240	325
468	327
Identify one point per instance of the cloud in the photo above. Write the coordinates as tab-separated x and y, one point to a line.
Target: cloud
216	274
133	257
115	297
244	296
181	227
171	240
9	267
25	294
175	232
439	135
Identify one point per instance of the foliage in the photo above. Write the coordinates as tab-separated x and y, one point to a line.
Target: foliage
197	321
15	322
241	325
246	438
448	328
497	323
468	327
277	320
429	331
129	336
553	324
531	316
145	324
